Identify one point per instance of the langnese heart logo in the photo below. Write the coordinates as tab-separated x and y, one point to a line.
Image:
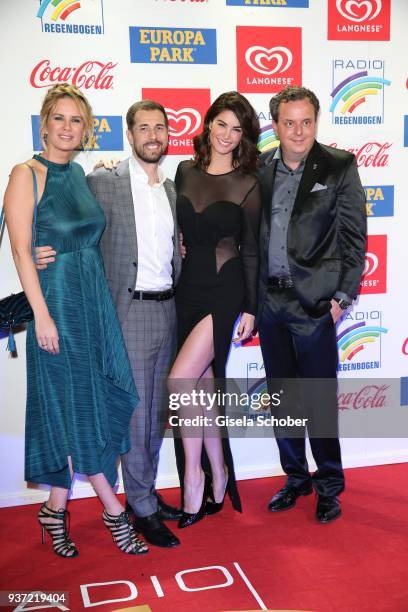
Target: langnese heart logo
268	61
183	121
371	264
359	10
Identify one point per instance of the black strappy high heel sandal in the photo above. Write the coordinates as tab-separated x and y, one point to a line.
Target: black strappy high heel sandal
124	534
58	530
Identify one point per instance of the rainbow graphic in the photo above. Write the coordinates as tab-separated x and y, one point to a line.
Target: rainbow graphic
354	90
63	8
353	339
260	386
267	139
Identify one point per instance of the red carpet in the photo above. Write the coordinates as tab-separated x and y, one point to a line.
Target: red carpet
258	560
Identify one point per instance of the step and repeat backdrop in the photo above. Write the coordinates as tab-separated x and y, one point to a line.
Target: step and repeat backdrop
184	53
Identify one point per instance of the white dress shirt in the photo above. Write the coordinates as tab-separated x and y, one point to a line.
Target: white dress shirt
154	230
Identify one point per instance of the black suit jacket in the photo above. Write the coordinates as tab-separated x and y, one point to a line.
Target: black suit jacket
327	230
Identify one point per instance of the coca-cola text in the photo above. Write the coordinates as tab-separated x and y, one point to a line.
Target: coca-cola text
370	396
90	74
373	154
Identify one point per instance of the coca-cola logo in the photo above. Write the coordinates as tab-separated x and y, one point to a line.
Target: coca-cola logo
370	396
183	121
371	264
268	61
90	74
405	347
359	10
375	154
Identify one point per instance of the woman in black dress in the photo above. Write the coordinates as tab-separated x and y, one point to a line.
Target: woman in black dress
218	209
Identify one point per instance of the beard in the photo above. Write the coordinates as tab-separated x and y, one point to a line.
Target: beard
150	157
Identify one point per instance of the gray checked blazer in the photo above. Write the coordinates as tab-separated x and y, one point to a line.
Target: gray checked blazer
113	191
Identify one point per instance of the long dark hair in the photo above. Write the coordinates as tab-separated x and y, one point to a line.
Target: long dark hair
245	156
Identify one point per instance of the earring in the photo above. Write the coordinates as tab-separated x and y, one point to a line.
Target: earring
45	137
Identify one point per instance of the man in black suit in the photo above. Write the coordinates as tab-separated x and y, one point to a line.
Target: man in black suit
313	237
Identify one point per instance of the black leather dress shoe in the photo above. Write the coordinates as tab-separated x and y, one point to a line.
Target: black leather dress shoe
286	497
328	509
167	512
155	531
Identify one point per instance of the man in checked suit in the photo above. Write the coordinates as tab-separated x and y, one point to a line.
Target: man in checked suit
313	237
142	260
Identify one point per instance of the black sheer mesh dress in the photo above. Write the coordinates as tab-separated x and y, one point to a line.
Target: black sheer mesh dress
219	217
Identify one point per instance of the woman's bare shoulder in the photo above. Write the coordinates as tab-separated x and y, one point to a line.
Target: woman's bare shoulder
21	173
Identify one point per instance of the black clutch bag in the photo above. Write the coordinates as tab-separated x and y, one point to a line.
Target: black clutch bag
14	311
15	308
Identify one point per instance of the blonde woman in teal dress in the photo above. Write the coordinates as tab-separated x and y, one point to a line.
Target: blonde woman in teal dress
80	390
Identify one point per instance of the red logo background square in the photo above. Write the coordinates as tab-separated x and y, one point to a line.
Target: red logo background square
185	109
366	19
268	59
375	273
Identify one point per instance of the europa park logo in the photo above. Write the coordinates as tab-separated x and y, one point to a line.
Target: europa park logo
185	109
374	278
150	45
379	200
359	19
266	68
71	17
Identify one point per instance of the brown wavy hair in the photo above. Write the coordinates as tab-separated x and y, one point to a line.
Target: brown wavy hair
245	156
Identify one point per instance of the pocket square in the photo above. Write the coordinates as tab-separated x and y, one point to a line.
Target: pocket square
318	187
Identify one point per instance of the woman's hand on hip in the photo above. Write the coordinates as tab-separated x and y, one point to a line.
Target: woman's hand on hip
43	256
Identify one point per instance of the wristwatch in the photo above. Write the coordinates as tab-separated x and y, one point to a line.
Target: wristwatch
344	304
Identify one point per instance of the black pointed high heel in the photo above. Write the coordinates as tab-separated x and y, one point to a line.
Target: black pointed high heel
58	530
188	518
212	507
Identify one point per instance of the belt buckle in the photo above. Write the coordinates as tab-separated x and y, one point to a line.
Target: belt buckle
166	295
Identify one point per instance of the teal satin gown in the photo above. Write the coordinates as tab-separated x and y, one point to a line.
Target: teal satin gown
79	402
